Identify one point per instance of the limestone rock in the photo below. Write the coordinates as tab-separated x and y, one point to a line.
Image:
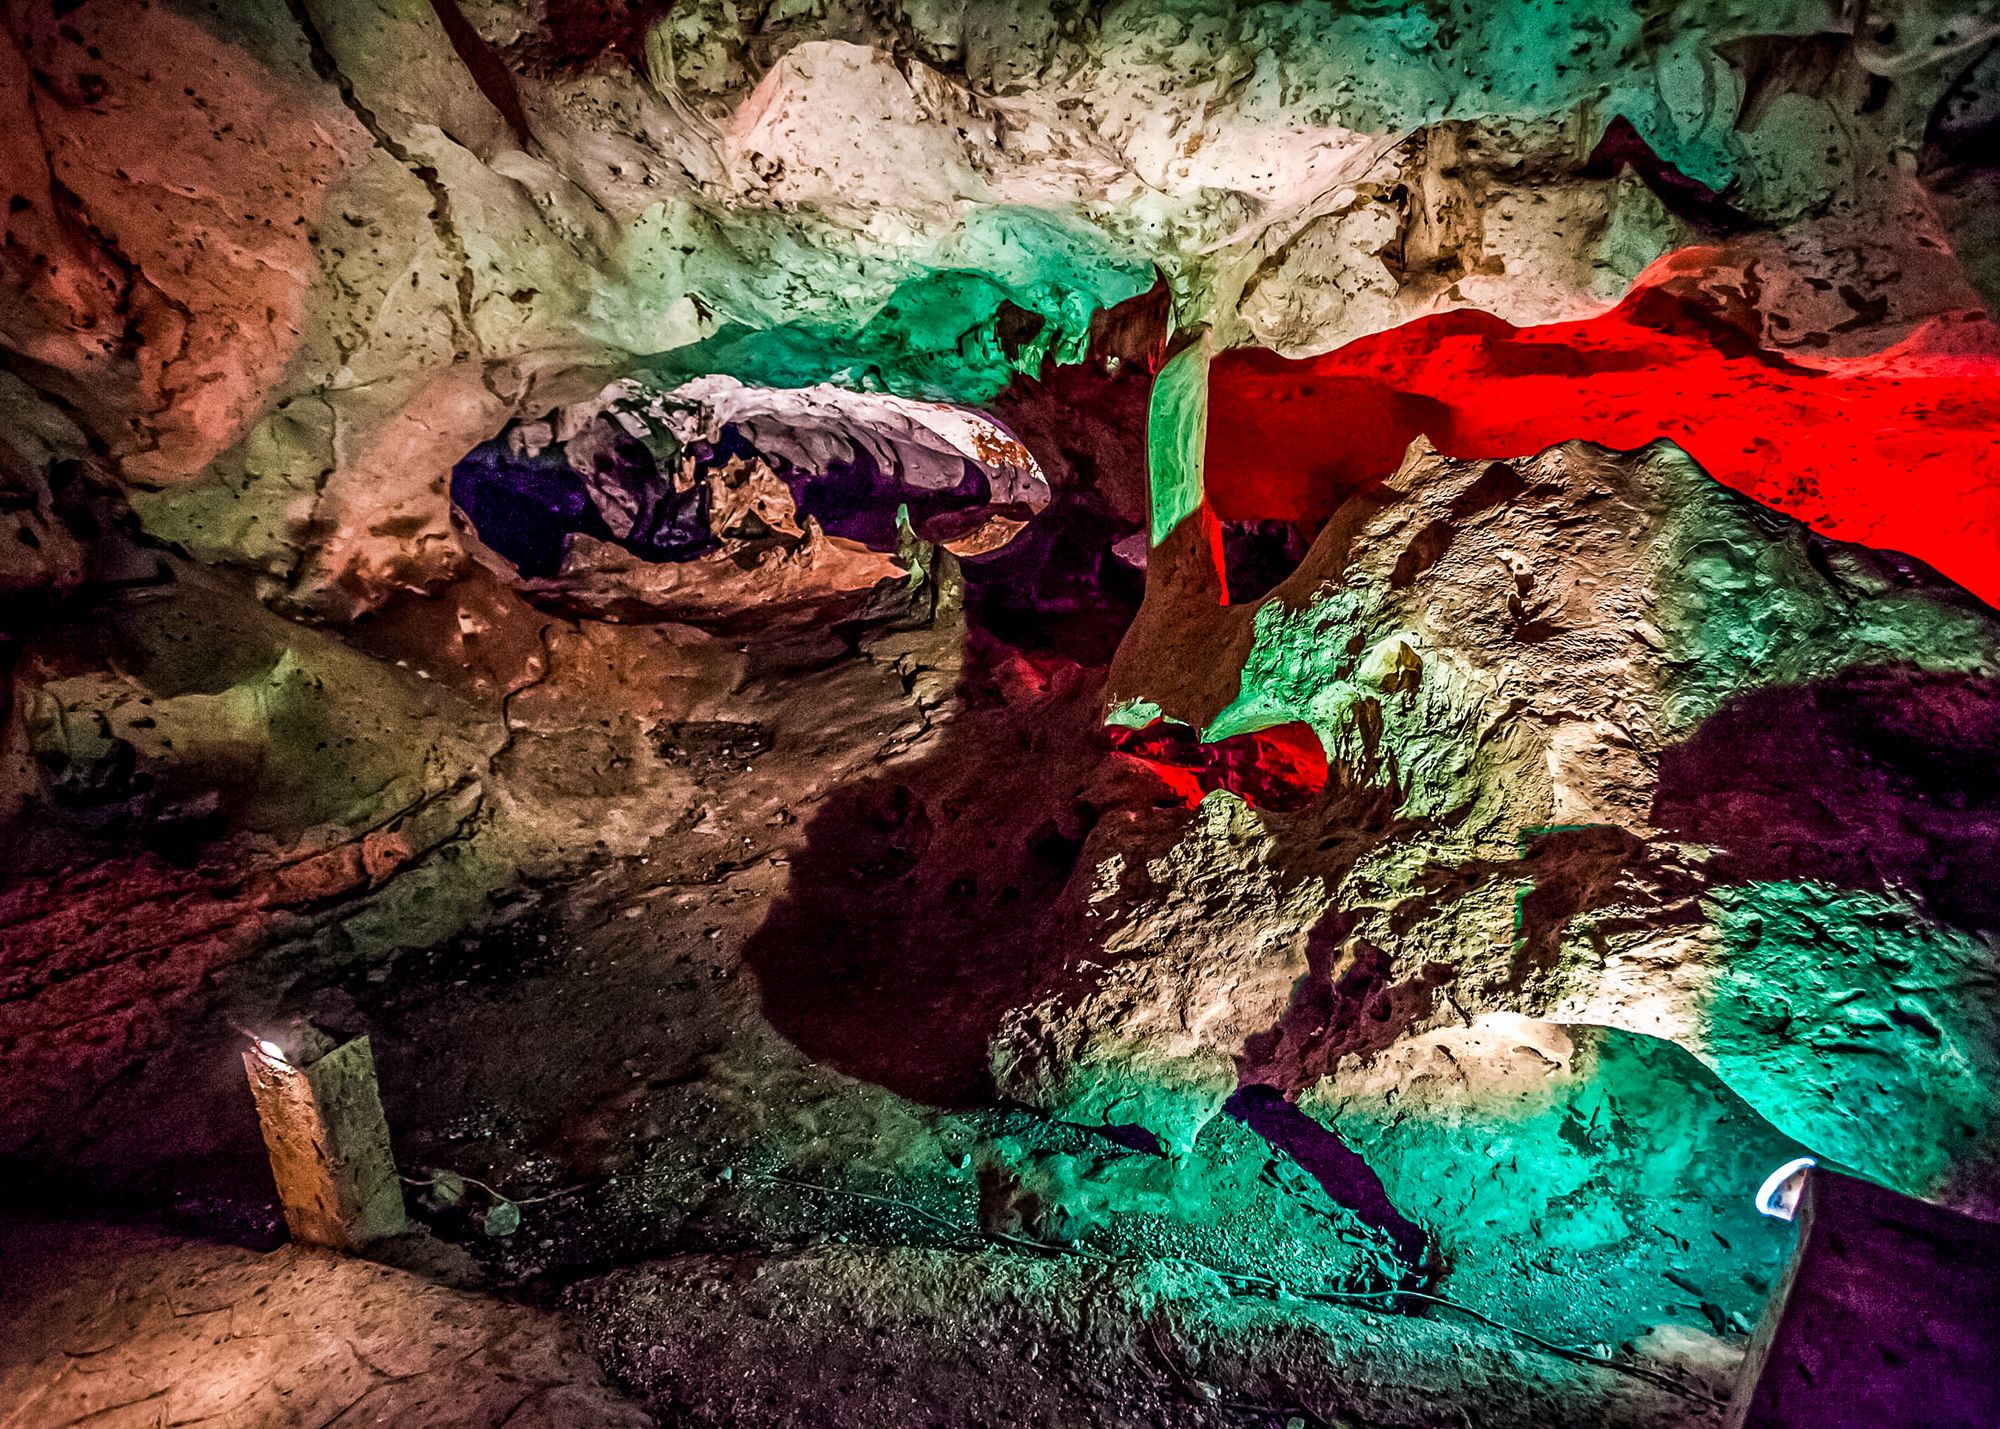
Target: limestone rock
211	1333
1610	744
1059	1338
711	503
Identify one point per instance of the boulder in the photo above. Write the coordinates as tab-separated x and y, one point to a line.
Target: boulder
1609	744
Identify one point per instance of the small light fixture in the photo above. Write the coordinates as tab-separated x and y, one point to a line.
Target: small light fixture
1779	1196
329	1142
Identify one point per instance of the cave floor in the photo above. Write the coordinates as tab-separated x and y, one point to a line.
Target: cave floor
760	1178
122	1327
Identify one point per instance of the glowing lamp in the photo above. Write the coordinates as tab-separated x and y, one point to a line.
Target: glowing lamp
271	1050
1779	1196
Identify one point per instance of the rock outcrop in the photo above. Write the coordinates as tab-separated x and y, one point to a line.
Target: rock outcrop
1609	745
450	217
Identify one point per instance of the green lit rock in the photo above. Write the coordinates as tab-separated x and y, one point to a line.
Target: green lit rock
1541	1155
1609	745
1863	1026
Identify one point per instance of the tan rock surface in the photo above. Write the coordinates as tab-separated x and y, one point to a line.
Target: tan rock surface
121	1327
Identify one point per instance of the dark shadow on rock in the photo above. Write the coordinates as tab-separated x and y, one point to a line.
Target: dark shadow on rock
916	914
1351	1002
923	905
1876	778
1322	1154
1571	871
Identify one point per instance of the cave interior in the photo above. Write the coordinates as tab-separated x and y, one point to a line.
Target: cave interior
957	713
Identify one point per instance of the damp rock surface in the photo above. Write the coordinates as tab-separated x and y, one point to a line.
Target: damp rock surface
983	1340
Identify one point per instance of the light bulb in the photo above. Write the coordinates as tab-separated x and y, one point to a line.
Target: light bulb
1779	1196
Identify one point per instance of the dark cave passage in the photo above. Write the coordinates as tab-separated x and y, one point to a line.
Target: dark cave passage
907	929
668	492
1282	767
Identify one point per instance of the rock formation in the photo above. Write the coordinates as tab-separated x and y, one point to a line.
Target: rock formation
1066	665
1608	744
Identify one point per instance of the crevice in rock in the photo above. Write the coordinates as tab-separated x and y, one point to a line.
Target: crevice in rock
488	71
1282	767
1623	146
1258	556
465	333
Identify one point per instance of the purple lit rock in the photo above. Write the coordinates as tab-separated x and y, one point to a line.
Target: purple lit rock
1888	1316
